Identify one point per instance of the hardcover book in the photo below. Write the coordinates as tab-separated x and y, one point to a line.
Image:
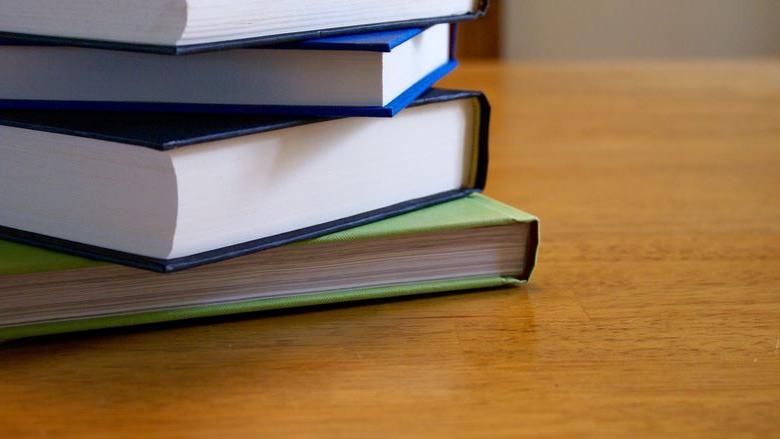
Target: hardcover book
172	191
371	74
189	26
469	243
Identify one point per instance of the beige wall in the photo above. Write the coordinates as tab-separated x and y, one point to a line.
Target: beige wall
563	29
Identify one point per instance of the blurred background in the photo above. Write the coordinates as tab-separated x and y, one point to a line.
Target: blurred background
618	29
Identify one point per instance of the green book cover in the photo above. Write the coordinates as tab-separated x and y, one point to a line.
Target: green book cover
475	210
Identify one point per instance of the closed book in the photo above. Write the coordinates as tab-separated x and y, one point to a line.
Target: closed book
170	191
470	243
191	26
372	74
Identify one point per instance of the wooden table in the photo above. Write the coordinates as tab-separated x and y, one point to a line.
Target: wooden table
655	308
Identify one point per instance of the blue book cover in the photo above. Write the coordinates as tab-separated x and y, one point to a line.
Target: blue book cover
379	42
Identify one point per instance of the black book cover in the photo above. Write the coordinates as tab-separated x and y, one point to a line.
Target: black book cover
168	131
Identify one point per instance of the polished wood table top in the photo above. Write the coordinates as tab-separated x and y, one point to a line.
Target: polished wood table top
655	309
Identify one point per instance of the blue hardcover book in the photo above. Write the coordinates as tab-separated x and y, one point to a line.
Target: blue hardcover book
167	191
372	74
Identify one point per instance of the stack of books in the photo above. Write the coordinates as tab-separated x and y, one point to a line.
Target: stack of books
166	160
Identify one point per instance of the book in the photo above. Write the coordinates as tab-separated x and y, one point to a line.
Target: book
188	26
469	243
171	191
370	74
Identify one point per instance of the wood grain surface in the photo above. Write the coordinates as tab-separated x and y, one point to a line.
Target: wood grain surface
655	309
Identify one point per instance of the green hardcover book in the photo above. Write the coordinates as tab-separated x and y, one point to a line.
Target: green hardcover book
474	242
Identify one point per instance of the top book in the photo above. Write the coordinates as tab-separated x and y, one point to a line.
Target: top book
184	26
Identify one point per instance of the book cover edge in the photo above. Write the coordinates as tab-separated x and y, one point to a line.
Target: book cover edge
246	42
440	95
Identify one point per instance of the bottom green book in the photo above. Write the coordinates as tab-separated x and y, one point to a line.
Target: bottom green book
471	243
